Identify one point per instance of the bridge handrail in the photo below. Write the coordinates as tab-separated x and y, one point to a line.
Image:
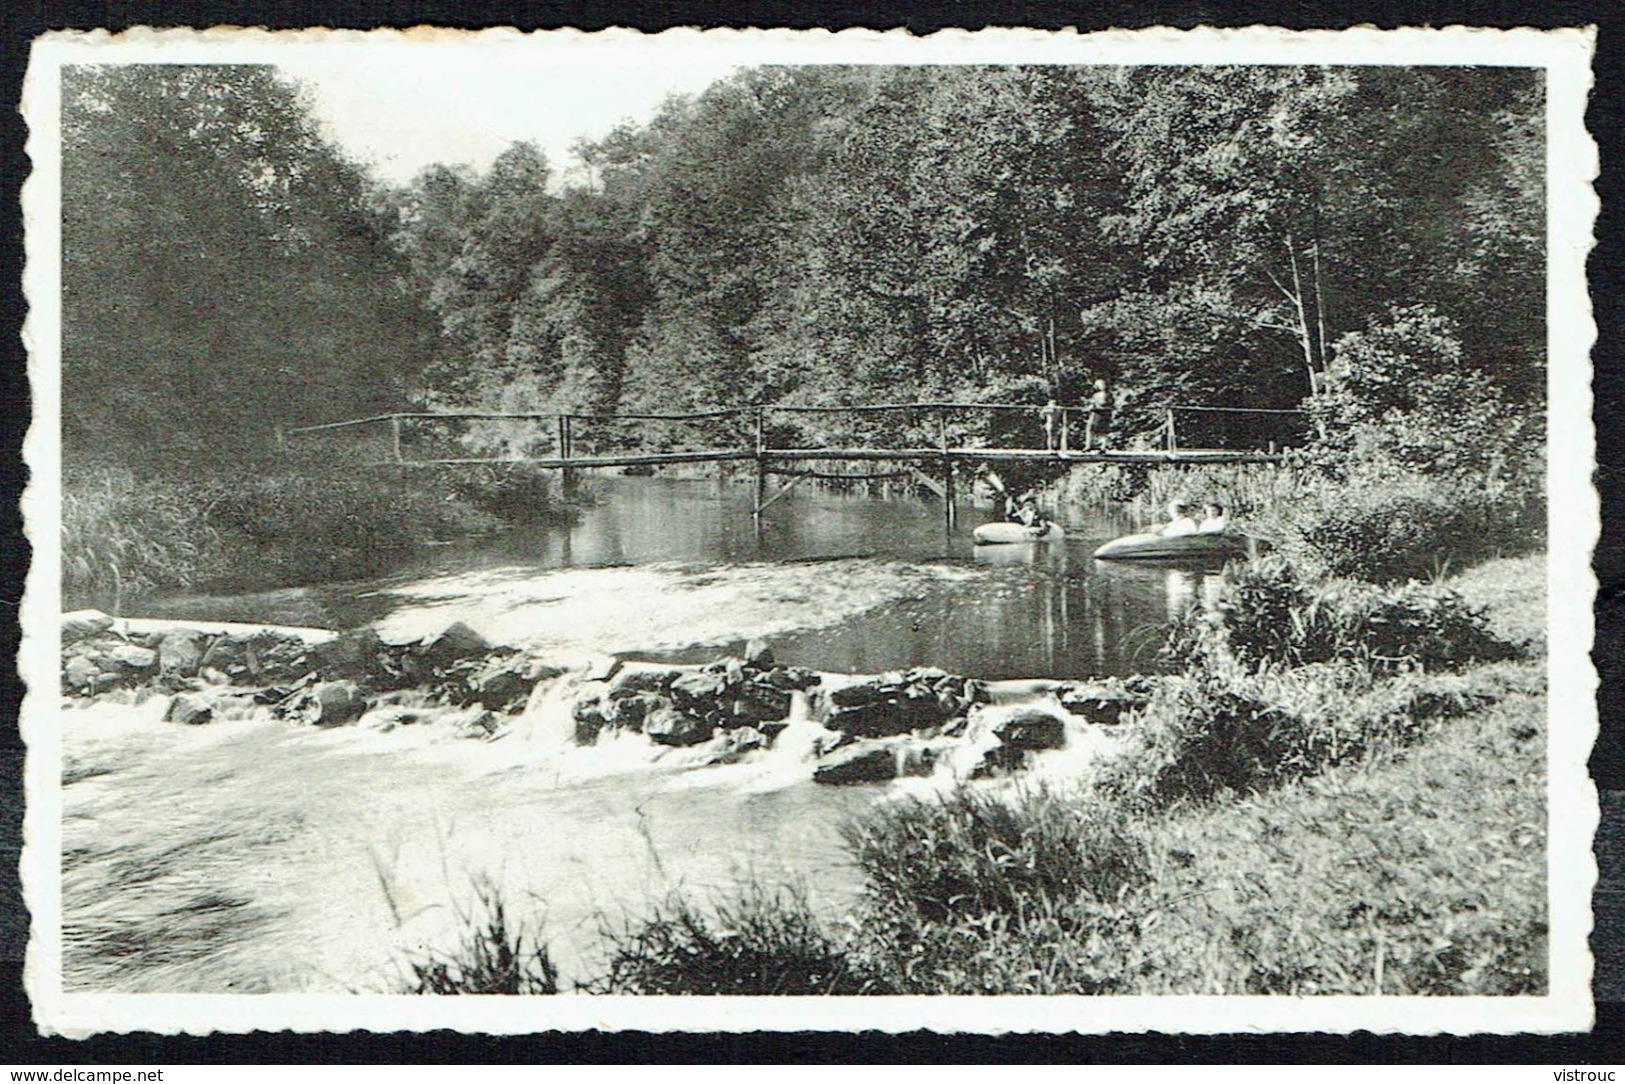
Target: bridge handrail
1235	410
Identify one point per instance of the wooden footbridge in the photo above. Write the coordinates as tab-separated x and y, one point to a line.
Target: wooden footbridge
926	440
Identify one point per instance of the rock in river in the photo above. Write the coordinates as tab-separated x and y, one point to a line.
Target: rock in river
1104	703
332	703
180	652
877	761
189	709
1031	729
82	623
668	726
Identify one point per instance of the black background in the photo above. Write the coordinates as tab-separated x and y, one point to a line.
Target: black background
20	1043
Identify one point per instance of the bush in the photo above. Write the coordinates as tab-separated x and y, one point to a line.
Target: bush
969	853
1267	616
1409	527
1220	729
764	941
512	492
296	529
492	956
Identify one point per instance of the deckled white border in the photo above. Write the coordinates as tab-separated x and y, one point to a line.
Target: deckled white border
1571	165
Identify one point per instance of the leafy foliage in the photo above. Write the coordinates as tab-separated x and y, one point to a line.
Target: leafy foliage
1267	616
223	272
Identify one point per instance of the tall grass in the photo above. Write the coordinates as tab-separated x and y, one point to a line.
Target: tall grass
494	955
1255	493
763	940
122	534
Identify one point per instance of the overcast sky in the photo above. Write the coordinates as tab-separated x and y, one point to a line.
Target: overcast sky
465	108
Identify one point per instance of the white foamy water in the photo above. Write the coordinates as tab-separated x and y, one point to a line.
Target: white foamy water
654	607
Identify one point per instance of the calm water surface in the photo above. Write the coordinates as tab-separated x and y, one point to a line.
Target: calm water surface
861	584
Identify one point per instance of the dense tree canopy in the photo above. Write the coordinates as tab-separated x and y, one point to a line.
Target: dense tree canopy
222	272
817	235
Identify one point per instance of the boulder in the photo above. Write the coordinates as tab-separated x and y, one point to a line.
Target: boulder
453	644
537	671
589	720
332	703
482	726
189	709
503	690
864	692
180	652
601	668
129	657
760	703
668	726
700	690
637	681
268	657
79	674
1032	730
1103	704
631	711
912	709
352	655
758	656
732	745
82	623
863	762
789	678
1001	759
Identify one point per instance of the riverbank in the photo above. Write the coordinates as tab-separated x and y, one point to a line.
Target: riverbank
271	524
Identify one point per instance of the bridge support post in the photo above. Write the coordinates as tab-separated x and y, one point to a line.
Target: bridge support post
567	480
950	509
759	503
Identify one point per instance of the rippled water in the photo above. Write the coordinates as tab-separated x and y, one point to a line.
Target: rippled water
251	855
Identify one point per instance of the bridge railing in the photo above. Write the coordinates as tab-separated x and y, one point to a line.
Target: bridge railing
443	437
1238	429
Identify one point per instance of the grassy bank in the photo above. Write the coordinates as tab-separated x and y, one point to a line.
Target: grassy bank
125	534
1286	827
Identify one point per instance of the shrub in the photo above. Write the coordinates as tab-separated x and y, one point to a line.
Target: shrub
969	852
973	893
492	956
1267	616
124	535
293	529
512	492
1221	729
763	941
1408	527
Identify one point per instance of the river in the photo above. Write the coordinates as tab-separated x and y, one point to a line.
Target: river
254	856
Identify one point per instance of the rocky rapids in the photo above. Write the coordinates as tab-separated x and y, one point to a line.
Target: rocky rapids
269	809
853	728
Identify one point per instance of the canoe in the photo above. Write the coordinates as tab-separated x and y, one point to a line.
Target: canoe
1002	534
1152	546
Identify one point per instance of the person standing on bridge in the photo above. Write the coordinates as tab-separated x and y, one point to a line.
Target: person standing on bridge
1099	414
1052	424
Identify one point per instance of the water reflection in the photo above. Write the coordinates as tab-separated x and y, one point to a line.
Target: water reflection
991	611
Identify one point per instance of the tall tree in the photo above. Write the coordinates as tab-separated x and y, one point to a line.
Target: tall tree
222	269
